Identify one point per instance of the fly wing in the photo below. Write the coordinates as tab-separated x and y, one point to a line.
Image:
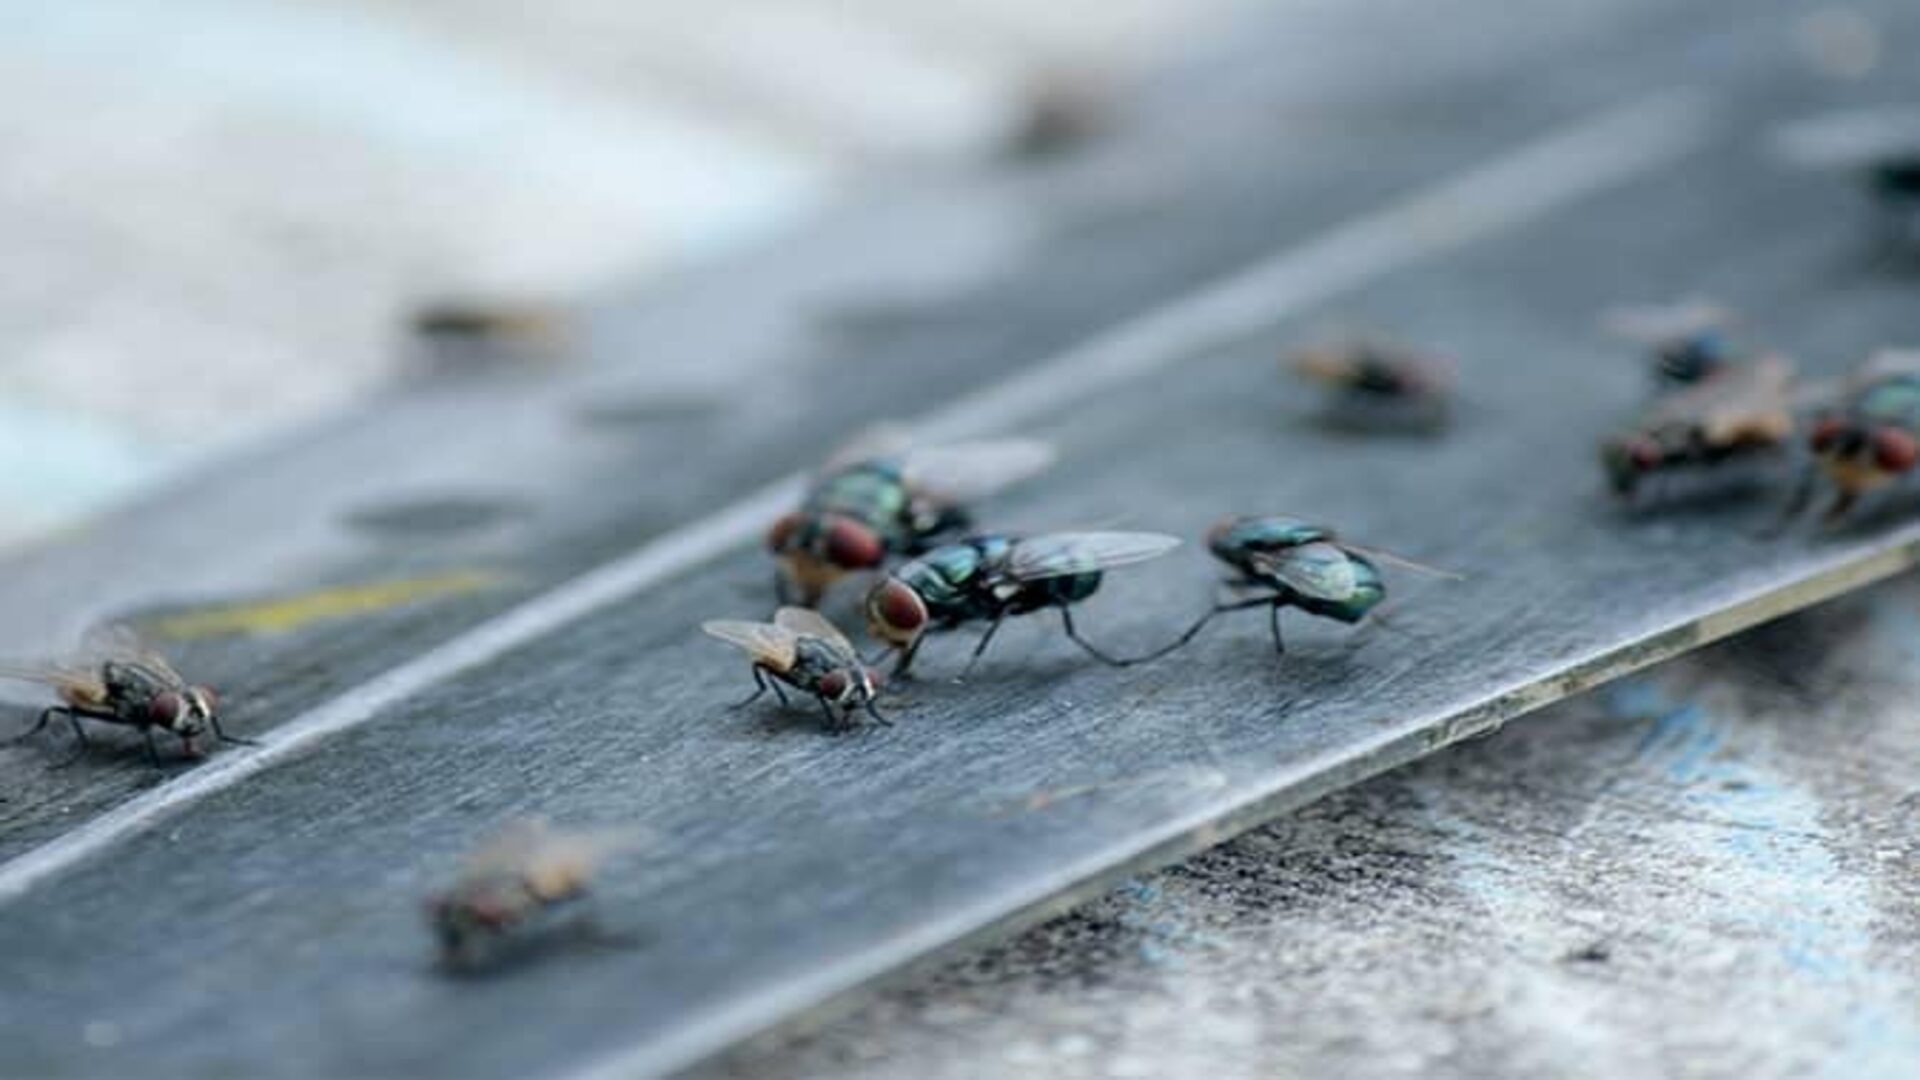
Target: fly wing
1756	398
1887	362
1655	323
1319	570
509	850
1064	554
1727	405
769	644
808	622
886	439
1402	562
555	862
121	643
75	684
963	472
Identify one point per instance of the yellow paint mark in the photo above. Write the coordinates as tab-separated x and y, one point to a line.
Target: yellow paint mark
291	613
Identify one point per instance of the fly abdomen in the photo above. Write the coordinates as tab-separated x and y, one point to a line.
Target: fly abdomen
1369	590
1055	592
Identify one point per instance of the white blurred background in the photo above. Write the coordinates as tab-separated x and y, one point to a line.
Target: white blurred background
219	212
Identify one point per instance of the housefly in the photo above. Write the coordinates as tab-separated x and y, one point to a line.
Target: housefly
1743	413
990	577
1376	384
881	500
805	651
116	679
1872	438
1296	563
1690	342
527	876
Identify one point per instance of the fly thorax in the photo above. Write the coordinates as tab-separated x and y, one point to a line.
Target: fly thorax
813	659
946	578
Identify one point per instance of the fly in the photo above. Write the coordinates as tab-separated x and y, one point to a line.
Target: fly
1690	342
1380	385
879	502
116	679
527	876
1741	414
991	577
1872	439
1294	563
803	650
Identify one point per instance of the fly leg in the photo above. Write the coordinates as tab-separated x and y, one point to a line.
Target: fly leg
221	734
1797	503
1273	618
46	717
874	712
153	751
1066	619
761	680
79	735
837	723
1842	503
1192	631
901	666
985	640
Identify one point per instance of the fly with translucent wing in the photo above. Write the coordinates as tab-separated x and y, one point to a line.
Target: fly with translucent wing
1690	341
527	875
1378	385
803	650
1742	414
1294	563
991	577
881	500
117	679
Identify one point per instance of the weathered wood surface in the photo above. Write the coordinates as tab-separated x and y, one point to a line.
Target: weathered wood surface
1707	870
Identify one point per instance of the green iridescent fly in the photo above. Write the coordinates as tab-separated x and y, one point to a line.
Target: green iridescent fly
990	577
1294	563
880	499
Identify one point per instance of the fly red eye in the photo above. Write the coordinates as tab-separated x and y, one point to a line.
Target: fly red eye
1644	453
853	546
1826	433
834	684
165	708
896	607
490	912
782	532
1894	450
